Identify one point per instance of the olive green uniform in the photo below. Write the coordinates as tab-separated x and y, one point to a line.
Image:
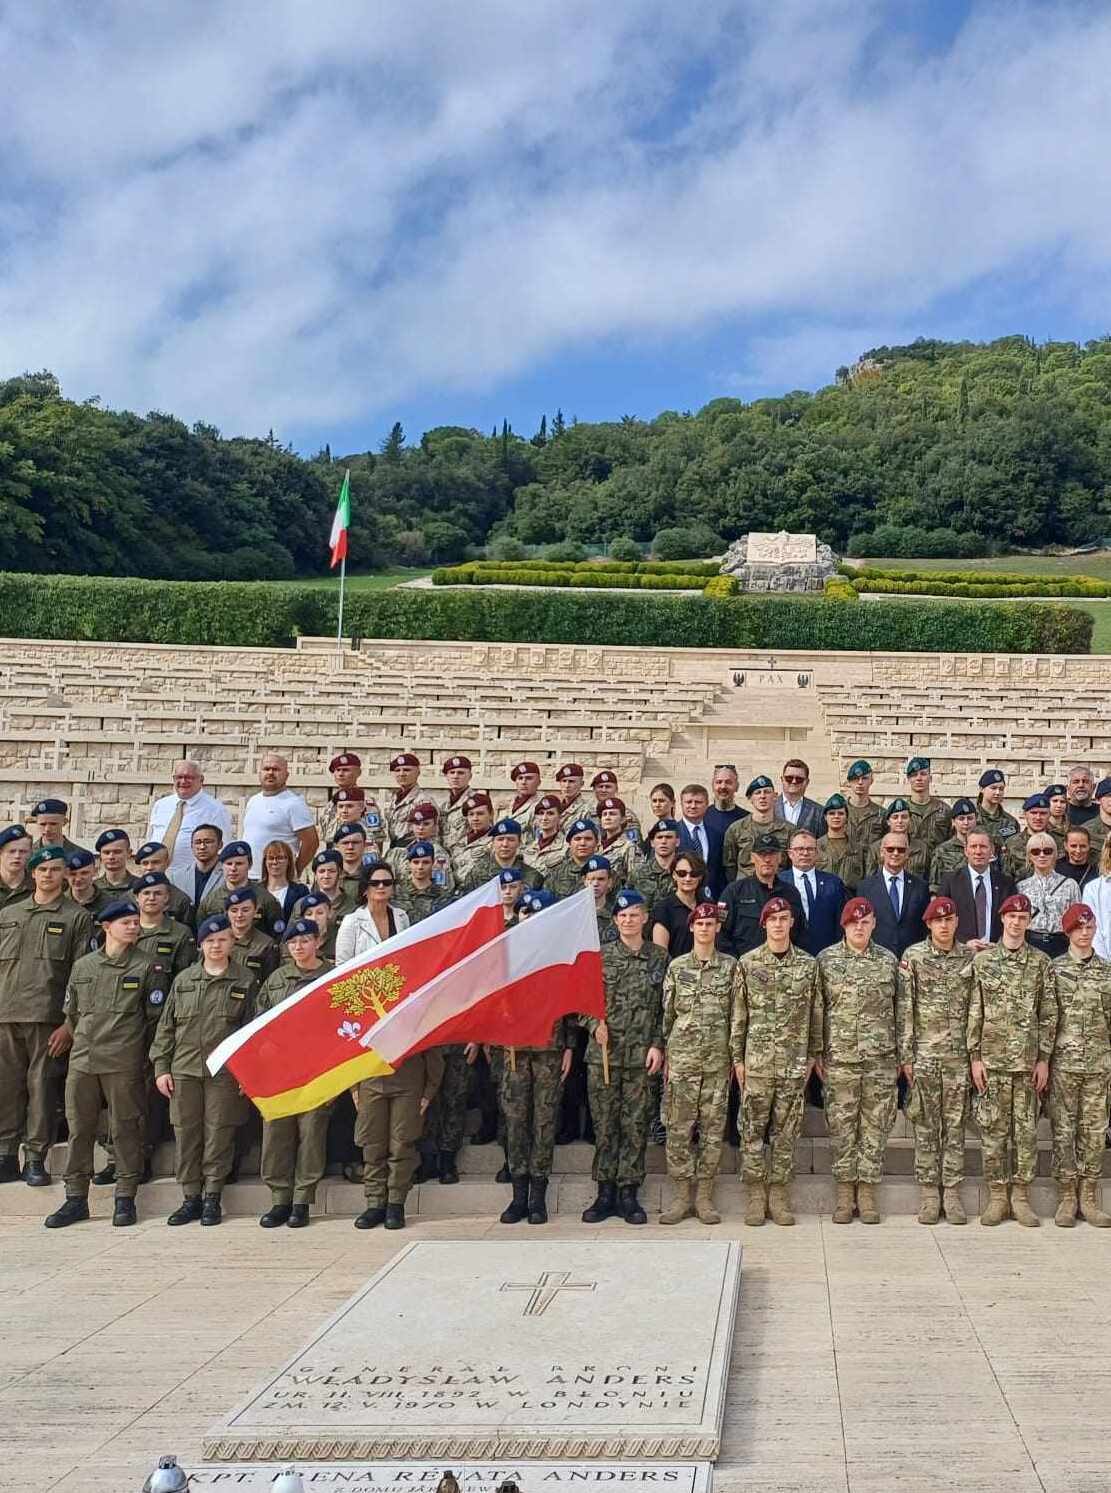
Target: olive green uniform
934	987
865	822
388	1125
697	1019
1081	1068
268	913
841	856
485	866
931	821
258	954
9	894
949	856
95	906
999	824
169	946
736	851
294	1148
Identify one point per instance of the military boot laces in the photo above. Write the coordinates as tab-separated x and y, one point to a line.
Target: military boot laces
518	1208
1021	1210
844	1201
1065	1217
779	1205
680	1203
212	1212
1089	1204
704	1203
929	1209
756	1204
998	1209
73	1210
954	1208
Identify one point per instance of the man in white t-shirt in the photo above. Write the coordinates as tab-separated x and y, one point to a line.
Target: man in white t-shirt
277	813
174	817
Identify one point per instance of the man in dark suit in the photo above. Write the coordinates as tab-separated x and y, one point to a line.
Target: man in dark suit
823	894
899	899
791	802
744	900
979	888
696	834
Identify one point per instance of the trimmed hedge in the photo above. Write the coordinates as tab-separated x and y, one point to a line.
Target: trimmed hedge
599	577
839	589
255	614
984	583
690	568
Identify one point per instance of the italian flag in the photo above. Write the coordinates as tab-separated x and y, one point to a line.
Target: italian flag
342	522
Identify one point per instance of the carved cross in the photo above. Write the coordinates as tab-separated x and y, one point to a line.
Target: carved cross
544	1291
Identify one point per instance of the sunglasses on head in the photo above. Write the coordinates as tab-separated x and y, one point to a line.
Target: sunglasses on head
726	767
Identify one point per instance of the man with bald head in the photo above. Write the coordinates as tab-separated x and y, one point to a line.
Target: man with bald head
275	812
174	817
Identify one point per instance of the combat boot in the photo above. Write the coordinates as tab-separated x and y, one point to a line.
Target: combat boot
298	1216
704	1203
1065	1217
756	1204
998	1209
844	1201
9	1169
867	1204
518	1208
395	1216
503	1173
211	1211
73	1210
1021	1210
538	1200
276	1215
929	1209
448	1172
681	1206
779	1205
1089	1204
189	1211
954	1208
604	1205
629	1206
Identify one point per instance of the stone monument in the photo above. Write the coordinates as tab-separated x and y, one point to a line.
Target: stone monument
780	562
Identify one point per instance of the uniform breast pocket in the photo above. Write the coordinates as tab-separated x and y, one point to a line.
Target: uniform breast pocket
9	942
842	1020
125	995
53	944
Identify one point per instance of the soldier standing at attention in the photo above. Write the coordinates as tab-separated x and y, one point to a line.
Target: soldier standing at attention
317	909
51	815
598	876
114	848
355	856
633	974
406	774
605	787
80	886
762	822
934	985
41	937
776	1042
990	813
210	1001
620	841
388	1118
235	858
326	868
419	895
424	824
525	777
113	1002
575	803
1012	1027
153	856
453	822
15	879
950	854
565	878
929	815
294	1147
864	813
254	950
697	1018
652	875
166	942
859	1066
547	847
346	769
1080	1071
478	813
504	854
837	852
1058	796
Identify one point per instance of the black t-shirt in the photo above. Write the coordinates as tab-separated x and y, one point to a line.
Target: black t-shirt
673	914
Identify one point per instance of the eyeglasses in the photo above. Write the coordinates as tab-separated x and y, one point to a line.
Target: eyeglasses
793	778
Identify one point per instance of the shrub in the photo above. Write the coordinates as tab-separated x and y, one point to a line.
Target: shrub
839	589
505	547
623	548
911	542
685	544
721	586
568	551
972	583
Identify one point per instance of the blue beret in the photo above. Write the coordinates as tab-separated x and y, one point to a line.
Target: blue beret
45	853
348	832
78	859
233	849
836	801
963	806
13	832
49	806
240	894
510	875
314	899
661	825
301	928
763	781
419	849
628	898
149	879
1039	800
218	924
596	863
582	827
859	769
121	908
111	837
506	826
327	858
991	777
152	847
917	764
538	900
1103	788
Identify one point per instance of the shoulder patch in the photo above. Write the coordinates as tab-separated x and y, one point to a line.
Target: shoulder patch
156	997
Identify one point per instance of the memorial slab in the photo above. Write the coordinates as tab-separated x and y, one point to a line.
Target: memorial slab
782	549
424	1477
558	1348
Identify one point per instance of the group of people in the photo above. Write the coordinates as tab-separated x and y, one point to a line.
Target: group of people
945	956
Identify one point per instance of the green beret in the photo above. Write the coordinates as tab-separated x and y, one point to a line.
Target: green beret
836	801
46	853
917	764
896	806
757	783
860	769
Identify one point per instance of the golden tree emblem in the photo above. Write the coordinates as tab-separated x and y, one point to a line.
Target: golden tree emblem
365	990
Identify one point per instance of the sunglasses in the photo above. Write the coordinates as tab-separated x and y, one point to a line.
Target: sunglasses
895	850
1043	852
687	874
726	767
381	882
793	778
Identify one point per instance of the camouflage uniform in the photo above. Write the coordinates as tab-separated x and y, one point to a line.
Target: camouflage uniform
653	881
370	819
931	821
999	824
634	1016
623	854
583	806
486	866
294	1148
776	1033
466	853
1081	1070
565	878
396	815
398	861
864	824
841	856
933	992
453	821
697	1016
736	851
949	856
1015	864
529	1097
1012	1024
860	1045
446	1121
420	904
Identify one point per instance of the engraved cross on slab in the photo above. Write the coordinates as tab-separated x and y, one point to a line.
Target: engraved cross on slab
544	1291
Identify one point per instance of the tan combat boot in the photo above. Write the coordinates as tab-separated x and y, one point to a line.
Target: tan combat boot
998	1209
1065	1217
1021	1210
929	1209
681	1203
779	1205
755	1204
704	1203
1089	1204
844	1202
954	1208
867	1204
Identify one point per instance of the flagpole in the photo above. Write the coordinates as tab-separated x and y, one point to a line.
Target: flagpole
342	577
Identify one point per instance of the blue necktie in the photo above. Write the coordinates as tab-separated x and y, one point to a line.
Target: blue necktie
893	892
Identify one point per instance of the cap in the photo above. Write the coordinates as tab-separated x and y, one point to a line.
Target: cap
506	826
855	910
45	853
121	908
549	801
150	879
604	779
233	849
349	832
917	764
1016	902
300	928
314	899
581	827
455	764
766	844
596	863
1056	790
762	781
611	803
77	860
144	852
345	759
1076	916
630	897
326	858
13	832
403	759
1039	800
519	770
354	795
772	905
963	806
218	924
510	875
991	777
1103	788
835	801
939	907
569	770
538	900
111	837
859	769
477	801
661	826
896	806
420	849
49	806
423	813
240	894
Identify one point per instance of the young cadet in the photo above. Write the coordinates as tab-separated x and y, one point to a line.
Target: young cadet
326	868
574	803
81	886
153	856
389	1114
457	772
253	949
210	1001
620	840
547	846
351	842
864	812
837	851
236	858
15	879
652	874
504	852
1080	1071
930	815
525	777
51	815
294	1147
597	874
114	997
990	813
317	909
478	816
113	846
631	1032
565	878
167	943
950	854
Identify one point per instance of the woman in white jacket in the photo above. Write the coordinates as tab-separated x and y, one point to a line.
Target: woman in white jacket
1097	896
376	920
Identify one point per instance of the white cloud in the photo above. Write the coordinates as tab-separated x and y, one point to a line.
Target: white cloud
300	215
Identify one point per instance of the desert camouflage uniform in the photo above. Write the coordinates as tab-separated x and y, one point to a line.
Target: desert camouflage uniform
1012	1024
529	1097
933	992
583	806
372	821
634	1017
396	815
736	850
623	854
466	853
931	821
543	858
840	855
860	1046
776	1034
697	1018
294	1148
453	821
1081	1069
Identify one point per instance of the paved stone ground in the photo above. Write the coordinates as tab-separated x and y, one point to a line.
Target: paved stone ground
897	1357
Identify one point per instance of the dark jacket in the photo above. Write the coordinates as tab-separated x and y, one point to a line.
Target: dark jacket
823	918
891	935
744	900
958	885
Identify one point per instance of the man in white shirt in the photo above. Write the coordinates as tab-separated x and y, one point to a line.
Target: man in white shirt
277	813
174	817
792	804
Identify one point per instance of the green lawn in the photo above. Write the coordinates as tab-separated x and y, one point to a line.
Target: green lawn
1097	564
377	580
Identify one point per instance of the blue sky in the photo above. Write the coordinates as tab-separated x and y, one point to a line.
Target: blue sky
280	215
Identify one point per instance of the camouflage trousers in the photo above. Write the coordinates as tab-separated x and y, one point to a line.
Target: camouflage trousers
1078	1114
446	1121
529	1103
771	1107
1007	1118
938	1108
860	1111
697	1101
622	1112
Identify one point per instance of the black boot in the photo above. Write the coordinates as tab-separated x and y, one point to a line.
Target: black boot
189	1212
73	1210
9	1169
105	1177
124	1214
299	1218
371	1218
503	1173
604	1205
538	1200
448	1173
34	1172
518	1208
628	1205
211	1212
276	1216
395	1215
